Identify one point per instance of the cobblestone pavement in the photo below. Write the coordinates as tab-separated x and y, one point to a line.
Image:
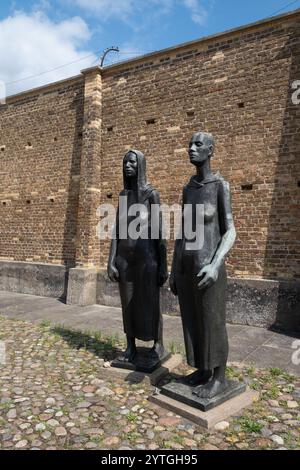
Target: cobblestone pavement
55	395
248	344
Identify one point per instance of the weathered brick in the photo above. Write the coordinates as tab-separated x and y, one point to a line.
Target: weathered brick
61	147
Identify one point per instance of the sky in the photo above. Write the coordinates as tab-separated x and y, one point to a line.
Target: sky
42	41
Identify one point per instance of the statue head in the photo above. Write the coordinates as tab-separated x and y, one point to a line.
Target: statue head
130	165
134	172
201	148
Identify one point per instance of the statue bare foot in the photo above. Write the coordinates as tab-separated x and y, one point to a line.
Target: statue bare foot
211	389
199	377
157	350
129	354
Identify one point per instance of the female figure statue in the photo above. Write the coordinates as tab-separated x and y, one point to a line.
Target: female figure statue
139	264
199	276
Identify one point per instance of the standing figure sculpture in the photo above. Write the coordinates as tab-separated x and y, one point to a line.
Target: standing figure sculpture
139	264
198	276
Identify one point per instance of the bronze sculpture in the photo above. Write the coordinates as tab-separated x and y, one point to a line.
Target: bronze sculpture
139	265
198	277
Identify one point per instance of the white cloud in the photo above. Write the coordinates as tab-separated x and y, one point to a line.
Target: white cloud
198	11
108	8
126	9
41	5
31	44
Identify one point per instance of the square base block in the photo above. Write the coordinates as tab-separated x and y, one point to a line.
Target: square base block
207	419
183	392
82	286
142	362
133	376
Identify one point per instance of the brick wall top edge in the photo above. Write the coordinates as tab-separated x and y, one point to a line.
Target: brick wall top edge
125	69
34	93
266	25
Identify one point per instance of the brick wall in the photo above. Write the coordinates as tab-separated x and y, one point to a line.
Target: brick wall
236	86
40	152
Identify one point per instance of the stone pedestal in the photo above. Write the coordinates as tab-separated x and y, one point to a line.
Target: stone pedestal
133	376
142	362
184	393
207	419
82	286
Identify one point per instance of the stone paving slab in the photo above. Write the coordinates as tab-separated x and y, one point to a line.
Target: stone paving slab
268	356
248	344
241	347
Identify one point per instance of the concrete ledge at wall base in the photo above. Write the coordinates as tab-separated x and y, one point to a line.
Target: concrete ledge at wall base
82	286
263	303
47	280
255	302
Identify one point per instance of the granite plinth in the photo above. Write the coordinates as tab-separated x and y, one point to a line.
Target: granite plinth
143	362
184	393
207	419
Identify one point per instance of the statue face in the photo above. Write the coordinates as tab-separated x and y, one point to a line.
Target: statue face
130	165
200	148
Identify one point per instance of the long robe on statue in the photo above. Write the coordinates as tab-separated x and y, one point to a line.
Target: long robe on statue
203	312
138	261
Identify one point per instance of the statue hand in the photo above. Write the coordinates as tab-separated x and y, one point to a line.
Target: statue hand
113	273
209	275
173	284
162	277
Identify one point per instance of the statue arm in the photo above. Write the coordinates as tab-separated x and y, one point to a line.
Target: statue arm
161	244
226	225
177	252
177	247
209	274
112	271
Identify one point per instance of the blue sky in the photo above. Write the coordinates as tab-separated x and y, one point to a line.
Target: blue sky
42	35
